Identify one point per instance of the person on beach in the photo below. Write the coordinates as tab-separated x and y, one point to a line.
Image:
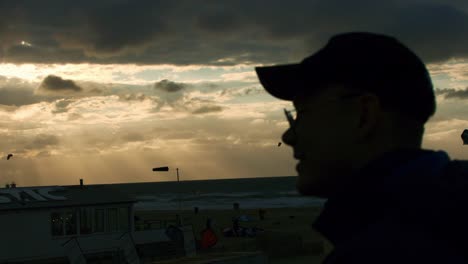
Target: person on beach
361	103
236	229
208	236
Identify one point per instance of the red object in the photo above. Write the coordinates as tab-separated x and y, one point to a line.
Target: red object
208	239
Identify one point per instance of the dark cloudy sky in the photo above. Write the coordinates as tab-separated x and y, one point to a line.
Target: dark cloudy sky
105	90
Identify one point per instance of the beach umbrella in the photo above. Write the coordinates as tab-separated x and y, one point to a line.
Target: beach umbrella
208	238
464	137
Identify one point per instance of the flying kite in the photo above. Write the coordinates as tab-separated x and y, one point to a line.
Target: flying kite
9	156
464	137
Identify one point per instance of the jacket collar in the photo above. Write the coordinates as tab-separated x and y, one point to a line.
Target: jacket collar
365	198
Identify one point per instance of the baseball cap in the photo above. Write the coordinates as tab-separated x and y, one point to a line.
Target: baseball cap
366	61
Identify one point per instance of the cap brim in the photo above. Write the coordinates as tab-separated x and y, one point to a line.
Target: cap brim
281	81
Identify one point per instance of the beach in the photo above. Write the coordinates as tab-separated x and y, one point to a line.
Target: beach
287	235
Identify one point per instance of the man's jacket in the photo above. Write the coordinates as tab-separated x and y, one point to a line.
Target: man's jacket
408	206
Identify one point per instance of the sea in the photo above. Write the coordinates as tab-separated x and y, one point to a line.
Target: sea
248	193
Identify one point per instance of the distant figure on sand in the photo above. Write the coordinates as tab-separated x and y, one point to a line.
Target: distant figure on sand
238	231
208	236
235	226
235	230
261	214
361	103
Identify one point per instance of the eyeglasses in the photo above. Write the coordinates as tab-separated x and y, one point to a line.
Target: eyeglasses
292	117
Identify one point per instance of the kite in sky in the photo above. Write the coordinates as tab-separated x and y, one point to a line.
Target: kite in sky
464	137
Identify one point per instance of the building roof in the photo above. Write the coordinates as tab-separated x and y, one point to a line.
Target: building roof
19	198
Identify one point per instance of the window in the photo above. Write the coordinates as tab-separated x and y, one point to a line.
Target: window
99	220
57	224
86	221
70	222
63	223
123	219
112	219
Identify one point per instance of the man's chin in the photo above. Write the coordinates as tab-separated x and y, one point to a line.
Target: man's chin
310	188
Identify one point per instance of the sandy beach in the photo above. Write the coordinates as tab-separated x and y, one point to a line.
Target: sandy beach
287	238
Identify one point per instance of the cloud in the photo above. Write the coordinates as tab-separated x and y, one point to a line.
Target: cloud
174	135
61	106
56	85
74	116
208	109
41	141
14	91
453	93
170	93
168	86
133	137
43	154
244	91
240	76
133	97
136	22
19	92
220	33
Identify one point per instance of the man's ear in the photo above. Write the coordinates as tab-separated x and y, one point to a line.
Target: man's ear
370	114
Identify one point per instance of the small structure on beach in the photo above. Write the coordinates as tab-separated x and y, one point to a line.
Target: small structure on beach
56	224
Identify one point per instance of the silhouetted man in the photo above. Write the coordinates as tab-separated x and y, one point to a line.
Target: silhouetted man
361	103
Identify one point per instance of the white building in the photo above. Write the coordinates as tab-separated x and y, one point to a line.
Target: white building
74	224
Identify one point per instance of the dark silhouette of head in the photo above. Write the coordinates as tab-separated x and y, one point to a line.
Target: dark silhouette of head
360	96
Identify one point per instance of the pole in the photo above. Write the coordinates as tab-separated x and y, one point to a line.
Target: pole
178	196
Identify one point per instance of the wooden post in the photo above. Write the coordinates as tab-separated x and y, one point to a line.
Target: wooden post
178	195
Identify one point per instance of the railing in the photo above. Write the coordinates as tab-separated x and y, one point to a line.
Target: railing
33	258
151	224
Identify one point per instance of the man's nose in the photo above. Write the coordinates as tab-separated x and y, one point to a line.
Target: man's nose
289	137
